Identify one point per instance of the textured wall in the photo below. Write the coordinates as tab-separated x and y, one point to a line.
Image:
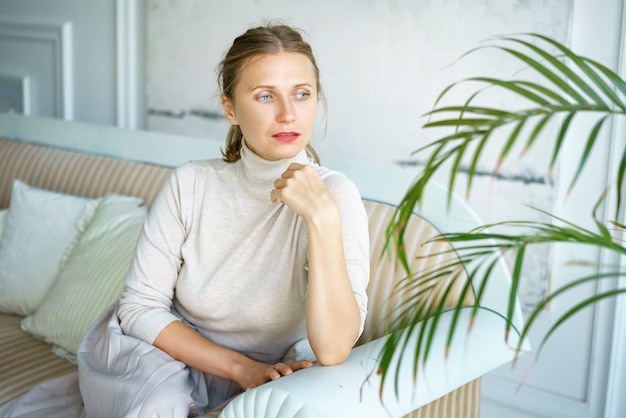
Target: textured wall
382	62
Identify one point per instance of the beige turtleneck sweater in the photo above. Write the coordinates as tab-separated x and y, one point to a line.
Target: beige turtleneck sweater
231	262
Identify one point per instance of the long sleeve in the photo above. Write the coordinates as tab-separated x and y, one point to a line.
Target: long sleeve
145	306
355	236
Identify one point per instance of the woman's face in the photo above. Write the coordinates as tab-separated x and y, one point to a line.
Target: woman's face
275	103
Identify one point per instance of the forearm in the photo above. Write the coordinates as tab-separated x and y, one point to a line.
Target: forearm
333	316
191	348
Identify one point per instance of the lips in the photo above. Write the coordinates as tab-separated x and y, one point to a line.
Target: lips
286	136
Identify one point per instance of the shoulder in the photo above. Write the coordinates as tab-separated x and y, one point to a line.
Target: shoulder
198	170
335	179
339	184
193	176
200	166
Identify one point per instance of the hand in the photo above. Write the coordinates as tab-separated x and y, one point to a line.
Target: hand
257	373
301	188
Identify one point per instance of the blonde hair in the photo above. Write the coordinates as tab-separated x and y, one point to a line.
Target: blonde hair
262	40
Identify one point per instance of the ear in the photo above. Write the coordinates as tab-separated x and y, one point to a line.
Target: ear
229	109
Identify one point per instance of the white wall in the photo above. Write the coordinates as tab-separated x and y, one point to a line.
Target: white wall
382	62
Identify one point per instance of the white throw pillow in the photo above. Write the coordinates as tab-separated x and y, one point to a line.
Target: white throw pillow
92	277
39	228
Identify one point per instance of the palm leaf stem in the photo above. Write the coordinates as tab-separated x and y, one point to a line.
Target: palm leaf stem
457	311
474	163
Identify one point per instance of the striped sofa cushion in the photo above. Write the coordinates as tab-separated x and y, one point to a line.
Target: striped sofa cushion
75	173
25	361
461	403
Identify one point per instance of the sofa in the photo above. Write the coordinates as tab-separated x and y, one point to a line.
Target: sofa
118	173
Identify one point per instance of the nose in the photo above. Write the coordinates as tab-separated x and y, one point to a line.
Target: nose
286	111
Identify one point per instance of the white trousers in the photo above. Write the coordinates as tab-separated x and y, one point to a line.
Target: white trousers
123	376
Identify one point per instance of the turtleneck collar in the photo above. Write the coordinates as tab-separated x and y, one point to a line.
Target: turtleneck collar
258	174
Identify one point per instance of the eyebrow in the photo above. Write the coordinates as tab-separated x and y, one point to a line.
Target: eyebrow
271	87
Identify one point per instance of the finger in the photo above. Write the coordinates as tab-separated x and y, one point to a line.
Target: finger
295	166
287	174
275	196
302	364
283	369
280	183
273	374
292	169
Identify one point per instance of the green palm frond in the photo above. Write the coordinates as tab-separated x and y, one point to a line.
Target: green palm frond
597	90
564	85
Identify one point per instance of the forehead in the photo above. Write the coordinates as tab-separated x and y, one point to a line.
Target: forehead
281	69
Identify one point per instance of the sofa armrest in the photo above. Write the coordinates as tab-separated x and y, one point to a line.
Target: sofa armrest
353	387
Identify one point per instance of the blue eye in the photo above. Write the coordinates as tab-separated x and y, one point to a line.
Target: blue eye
265	97
303	95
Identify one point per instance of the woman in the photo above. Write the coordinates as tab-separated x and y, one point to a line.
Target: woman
248	268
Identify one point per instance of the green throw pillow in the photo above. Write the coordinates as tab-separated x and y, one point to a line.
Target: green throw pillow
92	277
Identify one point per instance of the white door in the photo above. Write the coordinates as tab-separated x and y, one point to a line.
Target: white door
71	59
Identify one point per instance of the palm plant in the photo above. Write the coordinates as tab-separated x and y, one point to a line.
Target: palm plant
570	85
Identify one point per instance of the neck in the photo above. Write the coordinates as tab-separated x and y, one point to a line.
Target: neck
259	174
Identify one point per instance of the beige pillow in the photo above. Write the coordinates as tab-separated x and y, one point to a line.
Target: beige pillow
92	277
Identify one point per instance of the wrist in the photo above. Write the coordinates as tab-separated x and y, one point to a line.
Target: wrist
239	367
324	218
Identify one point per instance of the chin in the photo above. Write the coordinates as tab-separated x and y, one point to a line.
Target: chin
284	152
278	157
